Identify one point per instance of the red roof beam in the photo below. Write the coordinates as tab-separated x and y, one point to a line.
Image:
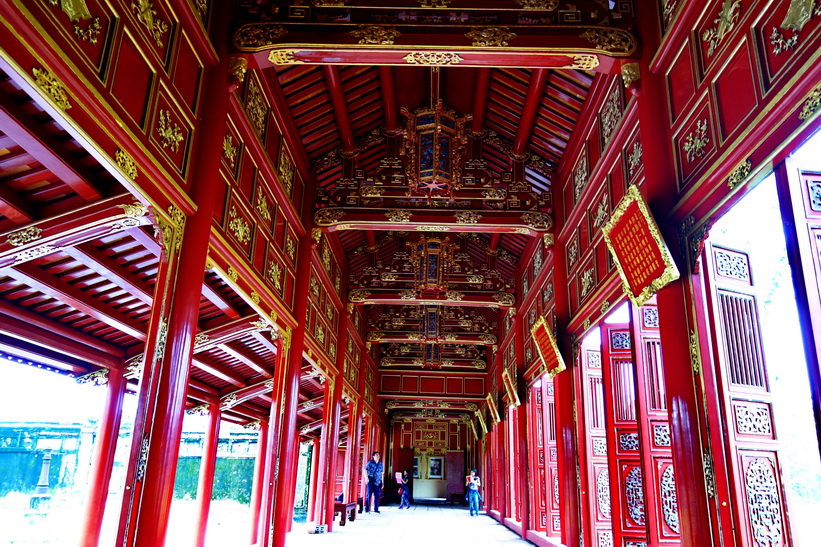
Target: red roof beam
245	359
337	93
480	99
388	98
531	107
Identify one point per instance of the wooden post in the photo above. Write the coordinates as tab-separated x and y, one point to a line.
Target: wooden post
268	454
208	466
333	449
103	460
259	480
312	487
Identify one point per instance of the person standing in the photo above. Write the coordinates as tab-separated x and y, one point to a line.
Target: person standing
473	484
405	503
375	473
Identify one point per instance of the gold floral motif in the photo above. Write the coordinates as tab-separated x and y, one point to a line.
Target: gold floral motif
407	294
98	377
358	295
232	274
630	72
611	39
432	58
178	218
634	158
602	210
604	306
35	252
256	108
538	5
200	339
52	87
162	337
290	247
584	62
399	215
90	34
254	296
388	276
726	20
262	207
610	115
494	193
199	410
330	3
505	299
326	256
237	67
284	57
229	151
455	296
376	35
26	235
258	35
74	9
587	281
127	165
170	133
475	279
134	210
285	169
490	36
147	15
275	274
580	176
239	227
467	217
811	104
201	7
695	359
371	191
739	174
696	141
586	325
433	3
327	216
537	221
799	14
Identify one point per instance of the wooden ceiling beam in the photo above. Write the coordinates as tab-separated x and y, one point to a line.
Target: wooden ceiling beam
97	261
32	136
388	98
245	359
70	295
215	369
269	344
337	93
480	99
532	102
15	208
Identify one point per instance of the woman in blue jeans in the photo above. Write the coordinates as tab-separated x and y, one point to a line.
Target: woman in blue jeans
405	503
473	483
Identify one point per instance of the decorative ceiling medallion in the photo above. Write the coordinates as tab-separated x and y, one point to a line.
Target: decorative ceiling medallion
147	15
611	39
584	62
630	72
376	35
538	5
490	36
26	235
284	57
170	133
52	87
126	163
432	58
696	141
258	35
739	174
725	21
327	216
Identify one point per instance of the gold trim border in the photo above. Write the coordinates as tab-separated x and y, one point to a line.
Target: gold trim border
562	367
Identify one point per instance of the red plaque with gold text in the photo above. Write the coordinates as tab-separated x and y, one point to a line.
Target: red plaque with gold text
634	240
546	346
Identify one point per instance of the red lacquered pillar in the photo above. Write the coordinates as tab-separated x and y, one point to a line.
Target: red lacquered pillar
259	478
288	453
333	449
208	466
267	487
312	487
166	398
103	460
521	450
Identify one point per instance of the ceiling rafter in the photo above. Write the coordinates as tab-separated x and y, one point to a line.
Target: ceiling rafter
343	121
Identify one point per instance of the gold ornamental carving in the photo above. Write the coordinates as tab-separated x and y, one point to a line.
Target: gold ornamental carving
584	62
455	296
634	158
254	296
811	104
178	218
630	72
330	3
258	35
696	141
52	87
97	377
494	193
426	228
490	36
229	150
739	174
434	4
724	24
237	67
376	35
505	299
799	14
126	164
467	217
284	57
399	215
74	9
611	39
538	221
327	216
170	133
358	295
35	252
24	236
239	227
538	5
262	207
90	34
371	191
134	210
147	15
695	359
232	274
256	108
432	58
200	339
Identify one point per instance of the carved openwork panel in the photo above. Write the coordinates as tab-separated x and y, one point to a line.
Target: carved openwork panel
650	316
669	501
732	265
593	359
599	446
603	493
753	419
629	442
763	502
620	340
634	496
661	435
606	538
814	193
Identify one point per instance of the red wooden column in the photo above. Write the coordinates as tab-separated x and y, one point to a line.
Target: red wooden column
288	453
268	454
682	398
312	487
159	438
208	466
259	480
103	459
355	420
521	450
333	448
322	464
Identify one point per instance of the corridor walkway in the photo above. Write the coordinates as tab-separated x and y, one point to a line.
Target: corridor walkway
419	526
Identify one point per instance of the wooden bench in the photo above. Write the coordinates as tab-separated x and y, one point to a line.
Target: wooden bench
361	503
348	511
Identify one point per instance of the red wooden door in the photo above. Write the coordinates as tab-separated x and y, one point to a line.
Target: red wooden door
654	430
626	473
742	390
593	450
544	458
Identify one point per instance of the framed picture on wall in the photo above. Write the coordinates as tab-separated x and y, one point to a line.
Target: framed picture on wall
435	469
415	467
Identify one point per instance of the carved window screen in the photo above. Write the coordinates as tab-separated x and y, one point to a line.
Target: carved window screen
742	339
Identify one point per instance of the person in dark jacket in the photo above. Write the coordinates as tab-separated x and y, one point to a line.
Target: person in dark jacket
375	473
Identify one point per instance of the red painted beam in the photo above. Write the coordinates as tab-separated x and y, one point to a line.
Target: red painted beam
13	207
104	266
246	360
44	147
207	365
480	99
388	98
337	93
532	102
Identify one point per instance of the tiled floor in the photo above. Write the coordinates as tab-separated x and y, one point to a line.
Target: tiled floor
419	526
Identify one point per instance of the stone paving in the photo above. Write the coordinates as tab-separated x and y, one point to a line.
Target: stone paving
419	526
